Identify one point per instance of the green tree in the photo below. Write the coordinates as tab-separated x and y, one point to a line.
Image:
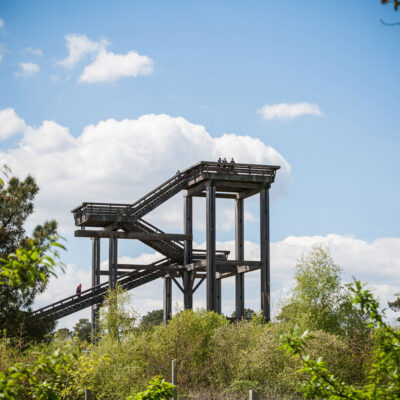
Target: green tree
248	313
63	333
118	317
152	318
383	381
83	330
28	254
319	299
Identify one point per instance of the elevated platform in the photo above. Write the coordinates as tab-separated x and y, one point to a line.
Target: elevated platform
116	221
243	180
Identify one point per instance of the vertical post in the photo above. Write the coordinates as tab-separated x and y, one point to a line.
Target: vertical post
112	261
239	255
187	255
88	394
167	300
252	395
265	254
210	250
219	296
174	377
95	281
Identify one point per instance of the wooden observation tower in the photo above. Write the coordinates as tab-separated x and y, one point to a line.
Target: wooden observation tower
188	268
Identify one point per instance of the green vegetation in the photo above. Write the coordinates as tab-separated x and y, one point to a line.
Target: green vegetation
319	299
349	352
152	318
383	379
157	389
25	262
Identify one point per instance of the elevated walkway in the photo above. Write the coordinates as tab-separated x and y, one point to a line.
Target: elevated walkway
115	221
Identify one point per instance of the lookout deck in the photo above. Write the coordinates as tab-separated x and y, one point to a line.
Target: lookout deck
116	221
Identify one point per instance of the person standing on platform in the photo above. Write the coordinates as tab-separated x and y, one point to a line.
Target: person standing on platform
232	164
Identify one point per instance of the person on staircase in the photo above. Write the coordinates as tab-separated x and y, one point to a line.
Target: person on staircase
79	289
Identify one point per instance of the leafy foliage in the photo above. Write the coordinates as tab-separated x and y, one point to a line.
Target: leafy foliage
319	300
117	317
383	381
152	318
157	389
44	378
248	313
396	3
25	262
83	330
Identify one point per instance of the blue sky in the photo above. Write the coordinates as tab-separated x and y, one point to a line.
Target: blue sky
216	64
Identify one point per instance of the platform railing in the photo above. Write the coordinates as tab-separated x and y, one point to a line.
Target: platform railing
178	181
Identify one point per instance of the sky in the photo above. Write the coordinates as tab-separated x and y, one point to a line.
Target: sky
102	101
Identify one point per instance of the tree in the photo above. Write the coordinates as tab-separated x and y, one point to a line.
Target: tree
83	330
16	248
319	300
152	318
248	313
64	333
383	381
117	318
396	3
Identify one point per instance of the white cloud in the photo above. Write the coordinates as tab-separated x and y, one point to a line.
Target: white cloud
78	47
10	123
109	67
106	65
376	262
288	111
27	69
1	23
34	52
119	161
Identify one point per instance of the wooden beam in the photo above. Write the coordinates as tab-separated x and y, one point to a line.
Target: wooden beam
195	189
218	195
132	235
247	193
149	267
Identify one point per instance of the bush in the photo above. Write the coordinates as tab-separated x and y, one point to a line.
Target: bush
383	380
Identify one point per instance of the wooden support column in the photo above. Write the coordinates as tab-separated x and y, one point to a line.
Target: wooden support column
210	250
219	296
239	255
265	254
112	261
187	255
167	299
95	281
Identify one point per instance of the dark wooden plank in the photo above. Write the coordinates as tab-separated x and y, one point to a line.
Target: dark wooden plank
131	235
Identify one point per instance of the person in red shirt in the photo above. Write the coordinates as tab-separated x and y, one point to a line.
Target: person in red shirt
79	289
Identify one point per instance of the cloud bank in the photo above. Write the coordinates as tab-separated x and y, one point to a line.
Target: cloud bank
119	161
377	261
288	111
